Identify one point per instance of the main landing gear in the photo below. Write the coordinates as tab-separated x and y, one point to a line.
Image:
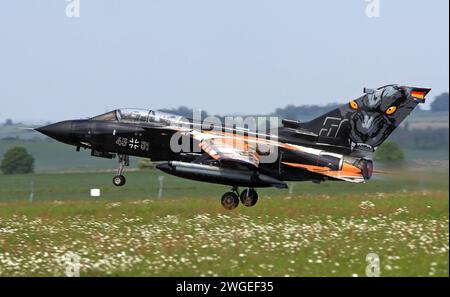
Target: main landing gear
119	179
248	197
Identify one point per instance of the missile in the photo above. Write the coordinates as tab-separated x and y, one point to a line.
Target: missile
225	176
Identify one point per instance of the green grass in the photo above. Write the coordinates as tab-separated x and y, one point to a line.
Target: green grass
318	230
144	185
304	236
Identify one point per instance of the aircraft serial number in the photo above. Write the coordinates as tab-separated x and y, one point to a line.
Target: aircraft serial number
133	143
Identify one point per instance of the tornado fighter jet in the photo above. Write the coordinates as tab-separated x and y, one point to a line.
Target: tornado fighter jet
336	146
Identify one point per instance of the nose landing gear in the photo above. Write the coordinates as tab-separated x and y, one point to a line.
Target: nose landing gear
248	197
119	179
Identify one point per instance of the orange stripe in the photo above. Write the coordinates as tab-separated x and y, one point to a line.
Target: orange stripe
350	168
342	174
313	168
351	171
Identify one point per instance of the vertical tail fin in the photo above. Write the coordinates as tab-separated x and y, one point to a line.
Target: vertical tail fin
364	123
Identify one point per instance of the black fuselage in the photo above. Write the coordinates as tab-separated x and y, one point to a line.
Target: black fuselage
152	140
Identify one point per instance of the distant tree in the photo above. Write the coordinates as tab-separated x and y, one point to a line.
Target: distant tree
440	103
145	164
10	138
9	122
16	161
389	151
421	139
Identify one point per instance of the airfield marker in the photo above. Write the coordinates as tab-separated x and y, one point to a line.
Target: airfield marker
95	193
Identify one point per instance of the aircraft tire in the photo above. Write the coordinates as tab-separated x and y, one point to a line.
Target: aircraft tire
249	197
230	200
119	180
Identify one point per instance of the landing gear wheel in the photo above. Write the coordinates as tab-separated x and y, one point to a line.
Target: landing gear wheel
249	197
230	200
119	180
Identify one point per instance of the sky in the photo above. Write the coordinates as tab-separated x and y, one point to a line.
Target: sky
225	57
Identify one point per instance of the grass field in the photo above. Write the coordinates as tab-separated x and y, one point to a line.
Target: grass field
144	185
317	230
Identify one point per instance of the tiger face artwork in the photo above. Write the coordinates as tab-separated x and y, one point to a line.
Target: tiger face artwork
373	116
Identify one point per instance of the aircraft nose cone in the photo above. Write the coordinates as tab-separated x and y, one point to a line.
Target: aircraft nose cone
60	131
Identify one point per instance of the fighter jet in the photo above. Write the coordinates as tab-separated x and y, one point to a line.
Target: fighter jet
337	146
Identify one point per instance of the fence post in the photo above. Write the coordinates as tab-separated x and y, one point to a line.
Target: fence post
32	191
160	186
291	188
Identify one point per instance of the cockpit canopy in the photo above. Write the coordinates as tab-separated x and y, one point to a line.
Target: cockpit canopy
138	116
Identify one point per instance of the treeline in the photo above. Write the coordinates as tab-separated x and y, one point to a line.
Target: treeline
418	139
183	111
302	112
440	103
